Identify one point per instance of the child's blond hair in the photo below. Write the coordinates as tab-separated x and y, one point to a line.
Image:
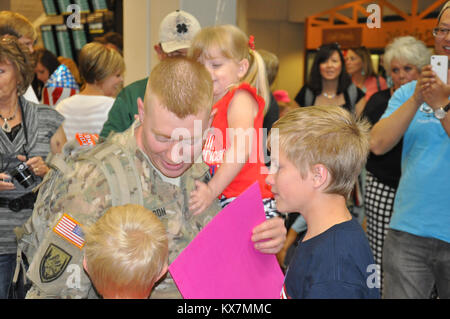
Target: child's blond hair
233	43
327	135
126	250
182	85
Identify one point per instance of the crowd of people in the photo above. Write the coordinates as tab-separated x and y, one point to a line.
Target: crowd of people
77	148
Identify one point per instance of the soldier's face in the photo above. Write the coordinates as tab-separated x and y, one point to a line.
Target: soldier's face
172	144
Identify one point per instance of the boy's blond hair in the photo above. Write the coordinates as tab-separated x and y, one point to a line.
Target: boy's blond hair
327	135
97	62
182	85
126	250
233	43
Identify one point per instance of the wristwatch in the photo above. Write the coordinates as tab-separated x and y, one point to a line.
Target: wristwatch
441	112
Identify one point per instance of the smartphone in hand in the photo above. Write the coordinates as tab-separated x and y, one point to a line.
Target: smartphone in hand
439	64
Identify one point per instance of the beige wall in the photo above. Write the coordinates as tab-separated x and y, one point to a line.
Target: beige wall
141	27
268	21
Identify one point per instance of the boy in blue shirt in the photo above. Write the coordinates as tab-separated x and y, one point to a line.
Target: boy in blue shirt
319	155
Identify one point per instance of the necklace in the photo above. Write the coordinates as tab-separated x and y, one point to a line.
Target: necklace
329	96
6	127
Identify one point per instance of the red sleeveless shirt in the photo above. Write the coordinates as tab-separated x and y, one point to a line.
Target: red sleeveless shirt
219	141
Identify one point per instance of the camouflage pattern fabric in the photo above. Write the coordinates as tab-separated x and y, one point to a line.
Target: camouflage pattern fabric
84	192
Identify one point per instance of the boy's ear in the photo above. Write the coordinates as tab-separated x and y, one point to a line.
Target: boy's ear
85	264
319	175
243	68
163	272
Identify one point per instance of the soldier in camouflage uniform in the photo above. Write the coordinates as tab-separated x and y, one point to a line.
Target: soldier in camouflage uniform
136	166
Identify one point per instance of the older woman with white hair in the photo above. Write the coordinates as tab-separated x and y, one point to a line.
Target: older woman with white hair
404	57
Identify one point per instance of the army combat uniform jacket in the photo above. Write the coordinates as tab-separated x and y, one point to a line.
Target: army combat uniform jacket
53	236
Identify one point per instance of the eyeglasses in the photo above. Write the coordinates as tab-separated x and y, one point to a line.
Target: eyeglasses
440	32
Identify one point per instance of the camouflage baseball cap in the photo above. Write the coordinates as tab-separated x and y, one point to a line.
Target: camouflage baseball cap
177	30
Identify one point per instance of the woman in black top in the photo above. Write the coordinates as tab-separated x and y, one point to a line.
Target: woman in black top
404	58
329	83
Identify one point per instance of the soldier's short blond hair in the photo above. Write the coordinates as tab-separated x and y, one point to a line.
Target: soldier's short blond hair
182	85
327	135
126	250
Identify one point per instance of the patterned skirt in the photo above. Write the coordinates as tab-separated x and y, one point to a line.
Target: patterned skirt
379	204
270	207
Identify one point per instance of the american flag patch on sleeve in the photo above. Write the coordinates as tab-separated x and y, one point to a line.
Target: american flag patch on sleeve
69	229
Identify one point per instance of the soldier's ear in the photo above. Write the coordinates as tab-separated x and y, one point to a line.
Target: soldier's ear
141	109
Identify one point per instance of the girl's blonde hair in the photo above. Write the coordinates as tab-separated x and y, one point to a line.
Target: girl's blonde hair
233	44
126	250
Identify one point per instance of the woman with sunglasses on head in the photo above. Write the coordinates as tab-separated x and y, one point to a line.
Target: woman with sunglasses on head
329	83
28	132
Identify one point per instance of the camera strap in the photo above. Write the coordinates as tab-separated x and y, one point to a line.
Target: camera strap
24	124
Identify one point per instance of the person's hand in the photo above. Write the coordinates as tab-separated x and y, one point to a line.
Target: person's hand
5	186
434	92
270	235
425	80
201	198
36	164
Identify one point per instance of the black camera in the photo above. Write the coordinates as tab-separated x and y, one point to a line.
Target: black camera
22	202
23	175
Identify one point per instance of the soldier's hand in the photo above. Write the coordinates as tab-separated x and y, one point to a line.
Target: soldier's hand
270	235
201	198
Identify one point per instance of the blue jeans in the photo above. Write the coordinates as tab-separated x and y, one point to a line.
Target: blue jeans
413	265
7	266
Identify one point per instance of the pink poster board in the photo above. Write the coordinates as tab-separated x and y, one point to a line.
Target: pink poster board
222	263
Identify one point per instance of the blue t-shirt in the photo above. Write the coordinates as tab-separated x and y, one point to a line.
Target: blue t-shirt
337	263
422	202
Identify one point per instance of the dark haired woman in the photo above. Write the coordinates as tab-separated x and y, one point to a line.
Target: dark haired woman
329	83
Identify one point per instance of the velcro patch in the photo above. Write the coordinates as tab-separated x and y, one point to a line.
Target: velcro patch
53	263
85	139
69	229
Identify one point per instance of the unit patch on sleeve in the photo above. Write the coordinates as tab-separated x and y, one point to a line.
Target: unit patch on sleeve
69	229
53	263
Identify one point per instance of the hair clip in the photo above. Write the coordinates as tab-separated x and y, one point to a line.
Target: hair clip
251	42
